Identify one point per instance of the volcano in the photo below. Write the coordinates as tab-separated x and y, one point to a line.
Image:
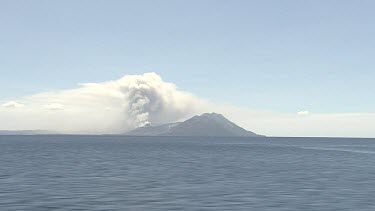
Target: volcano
207	124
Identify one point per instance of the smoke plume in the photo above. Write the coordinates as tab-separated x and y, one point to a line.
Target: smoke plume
107	107
138	100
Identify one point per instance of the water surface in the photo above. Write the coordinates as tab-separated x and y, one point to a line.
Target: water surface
168	173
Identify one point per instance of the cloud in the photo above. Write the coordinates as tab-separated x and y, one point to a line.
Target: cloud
13	104
54	106
303	113
135	100
107	107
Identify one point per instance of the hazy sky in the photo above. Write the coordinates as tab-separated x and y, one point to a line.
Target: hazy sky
284	56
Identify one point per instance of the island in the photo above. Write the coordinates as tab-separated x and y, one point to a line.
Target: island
207	124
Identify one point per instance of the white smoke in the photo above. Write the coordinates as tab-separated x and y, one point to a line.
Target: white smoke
139	100
150	100
107	107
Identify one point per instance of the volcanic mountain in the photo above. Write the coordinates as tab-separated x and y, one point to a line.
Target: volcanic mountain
207	124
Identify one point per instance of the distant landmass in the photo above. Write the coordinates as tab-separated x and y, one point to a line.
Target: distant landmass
27	132
207	124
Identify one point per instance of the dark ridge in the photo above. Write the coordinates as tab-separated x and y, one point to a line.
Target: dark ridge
207	124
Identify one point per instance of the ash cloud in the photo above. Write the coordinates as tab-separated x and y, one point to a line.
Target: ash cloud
137	100
150	100
108	107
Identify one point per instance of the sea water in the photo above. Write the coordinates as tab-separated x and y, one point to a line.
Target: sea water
67	172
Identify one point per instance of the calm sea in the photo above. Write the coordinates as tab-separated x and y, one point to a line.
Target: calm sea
168	173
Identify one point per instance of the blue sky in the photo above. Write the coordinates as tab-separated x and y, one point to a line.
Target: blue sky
284	56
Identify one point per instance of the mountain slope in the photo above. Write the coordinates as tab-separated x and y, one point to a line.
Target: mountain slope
152	130
208	124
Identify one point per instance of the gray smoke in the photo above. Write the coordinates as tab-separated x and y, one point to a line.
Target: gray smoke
138	100
149	100
108	107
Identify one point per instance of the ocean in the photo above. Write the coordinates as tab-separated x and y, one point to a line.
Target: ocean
72	172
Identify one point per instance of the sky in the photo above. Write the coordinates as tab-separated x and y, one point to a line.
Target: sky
285	57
